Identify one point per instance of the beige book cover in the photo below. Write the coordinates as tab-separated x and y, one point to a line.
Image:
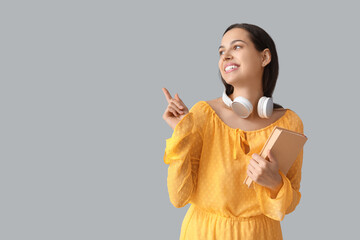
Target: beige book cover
285	145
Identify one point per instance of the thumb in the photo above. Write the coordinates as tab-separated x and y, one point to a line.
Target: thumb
271	157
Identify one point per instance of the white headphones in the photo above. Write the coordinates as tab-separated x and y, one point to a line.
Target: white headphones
243	107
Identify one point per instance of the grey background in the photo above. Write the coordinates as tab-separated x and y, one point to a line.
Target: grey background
82	134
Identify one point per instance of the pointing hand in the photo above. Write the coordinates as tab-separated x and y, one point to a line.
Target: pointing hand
175	111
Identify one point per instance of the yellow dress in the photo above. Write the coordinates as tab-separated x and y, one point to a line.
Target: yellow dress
207	167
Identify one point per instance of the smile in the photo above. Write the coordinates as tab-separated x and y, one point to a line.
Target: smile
231	68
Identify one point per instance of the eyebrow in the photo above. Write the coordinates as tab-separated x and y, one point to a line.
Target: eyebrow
238	40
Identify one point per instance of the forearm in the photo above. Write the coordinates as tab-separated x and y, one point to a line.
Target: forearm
181	181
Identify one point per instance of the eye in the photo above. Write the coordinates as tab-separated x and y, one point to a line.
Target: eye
235	47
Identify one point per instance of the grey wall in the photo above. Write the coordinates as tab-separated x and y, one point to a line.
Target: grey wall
82	134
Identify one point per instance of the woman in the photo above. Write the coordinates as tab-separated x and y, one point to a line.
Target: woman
215	145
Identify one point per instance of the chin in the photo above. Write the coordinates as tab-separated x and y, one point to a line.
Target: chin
233	81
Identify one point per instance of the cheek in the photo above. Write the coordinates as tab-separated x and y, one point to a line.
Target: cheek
255	59
220	66
250	61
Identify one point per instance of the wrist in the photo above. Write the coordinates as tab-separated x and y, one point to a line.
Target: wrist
275	190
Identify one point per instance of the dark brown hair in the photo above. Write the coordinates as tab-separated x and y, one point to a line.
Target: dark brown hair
261	40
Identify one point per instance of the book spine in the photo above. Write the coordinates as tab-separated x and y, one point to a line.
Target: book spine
267	146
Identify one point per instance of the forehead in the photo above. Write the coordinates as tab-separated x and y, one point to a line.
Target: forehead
235	33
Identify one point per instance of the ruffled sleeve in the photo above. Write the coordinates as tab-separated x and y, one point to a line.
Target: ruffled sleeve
182	154
288	196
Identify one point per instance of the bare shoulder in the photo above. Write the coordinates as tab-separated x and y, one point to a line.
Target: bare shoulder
214	101
280	109
277	114
215	104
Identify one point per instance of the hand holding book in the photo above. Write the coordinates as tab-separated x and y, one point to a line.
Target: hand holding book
285	145
265	172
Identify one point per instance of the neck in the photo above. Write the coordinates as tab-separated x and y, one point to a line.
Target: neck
251	94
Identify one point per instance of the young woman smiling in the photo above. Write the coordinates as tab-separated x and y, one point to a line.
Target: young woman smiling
215	145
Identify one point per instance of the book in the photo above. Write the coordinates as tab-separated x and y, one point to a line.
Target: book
285	146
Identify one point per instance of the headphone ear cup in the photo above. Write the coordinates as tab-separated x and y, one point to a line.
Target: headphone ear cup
265	107
242	107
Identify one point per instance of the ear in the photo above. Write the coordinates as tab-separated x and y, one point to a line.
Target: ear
266	57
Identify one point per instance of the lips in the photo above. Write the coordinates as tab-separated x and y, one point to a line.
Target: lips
229	67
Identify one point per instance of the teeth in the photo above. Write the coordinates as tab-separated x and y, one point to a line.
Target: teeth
230	67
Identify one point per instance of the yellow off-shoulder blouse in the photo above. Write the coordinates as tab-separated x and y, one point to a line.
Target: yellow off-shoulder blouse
207	167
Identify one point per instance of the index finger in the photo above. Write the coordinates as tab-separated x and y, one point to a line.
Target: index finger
257	158
167	94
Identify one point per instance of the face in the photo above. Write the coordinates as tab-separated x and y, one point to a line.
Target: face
237	50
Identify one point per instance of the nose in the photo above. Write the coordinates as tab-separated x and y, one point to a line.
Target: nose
226	55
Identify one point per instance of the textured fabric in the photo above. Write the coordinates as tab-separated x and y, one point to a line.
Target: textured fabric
207	166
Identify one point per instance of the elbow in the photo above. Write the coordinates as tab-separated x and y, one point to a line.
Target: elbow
178	204
179	201
294	204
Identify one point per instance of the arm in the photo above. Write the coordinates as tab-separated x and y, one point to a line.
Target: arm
182	154
277	203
